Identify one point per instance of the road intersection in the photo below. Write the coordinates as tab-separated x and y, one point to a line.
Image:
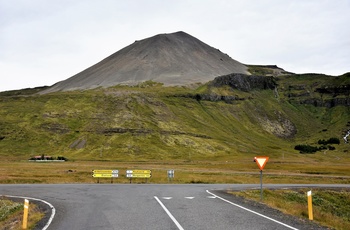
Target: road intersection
156	206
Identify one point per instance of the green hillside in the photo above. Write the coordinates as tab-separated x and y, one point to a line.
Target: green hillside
150	121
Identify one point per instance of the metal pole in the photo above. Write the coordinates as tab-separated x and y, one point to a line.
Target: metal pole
261	189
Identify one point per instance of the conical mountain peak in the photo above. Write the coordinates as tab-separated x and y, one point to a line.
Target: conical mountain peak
172	59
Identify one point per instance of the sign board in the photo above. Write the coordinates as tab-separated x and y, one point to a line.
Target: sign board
261	161
138	173
171	173
133	175
105	173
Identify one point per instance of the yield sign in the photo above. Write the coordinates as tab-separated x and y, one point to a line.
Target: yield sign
261	161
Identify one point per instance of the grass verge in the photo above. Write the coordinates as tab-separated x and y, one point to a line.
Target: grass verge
11	214
331	208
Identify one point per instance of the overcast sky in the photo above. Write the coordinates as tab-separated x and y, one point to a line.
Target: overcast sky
46	41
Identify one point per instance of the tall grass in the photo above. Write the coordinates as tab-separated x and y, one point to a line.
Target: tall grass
238	171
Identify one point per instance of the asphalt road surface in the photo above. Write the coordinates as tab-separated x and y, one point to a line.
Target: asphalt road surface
154	206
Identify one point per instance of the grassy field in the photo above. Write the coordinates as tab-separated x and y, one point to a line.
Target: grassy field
241	170
330	207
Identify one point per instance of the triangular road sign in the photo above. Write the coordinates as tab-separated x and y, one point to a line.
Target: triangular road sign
261	161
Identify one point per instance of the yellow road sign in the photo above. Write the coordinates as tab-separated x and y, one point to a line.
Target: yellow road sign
112	171
134	175
105	175
138	171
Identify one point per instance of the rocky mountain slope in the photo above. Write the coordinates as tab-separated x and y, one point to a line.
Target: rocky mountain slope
172	59
232	115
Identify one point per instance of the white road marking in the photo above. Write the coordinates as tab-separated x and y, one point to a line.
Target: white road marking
211	197
53	210
246	209
169	214
167	198
189	197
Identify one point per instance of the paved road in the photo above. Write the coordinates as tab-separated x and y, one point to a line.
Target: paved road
152	206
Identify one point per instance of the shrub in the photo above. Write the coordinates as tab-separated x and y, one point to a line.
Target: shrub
332	140
322	142
62	158
306	148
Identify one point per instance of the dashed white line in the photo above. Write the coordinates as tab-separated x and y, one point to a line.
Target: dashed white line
246	209
169	214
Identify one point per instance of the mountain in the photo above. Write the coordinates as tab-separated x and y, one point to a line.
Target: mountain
233	116
238	112
172	59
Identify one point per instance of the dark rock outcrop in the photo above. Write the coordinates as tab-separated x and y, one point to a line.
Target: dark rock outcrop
245	82
211	97
111	131
335	90
329	103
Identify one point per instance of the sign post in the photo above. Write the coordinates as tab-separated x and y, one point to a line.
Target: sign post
261	162
261	188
